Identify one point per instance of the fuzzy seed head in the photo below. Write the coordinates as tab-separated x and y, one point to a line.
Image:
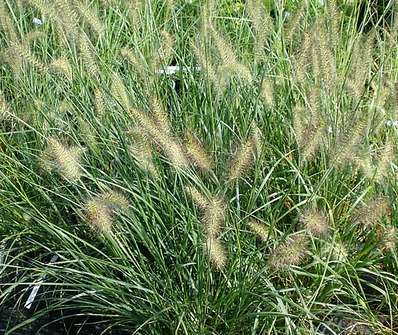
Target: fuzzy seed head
372	212
259	229
290	253
315	222
388	237
62	66
65	159
197	197
214	216
99	215
267	92
241	160
216	253
197	152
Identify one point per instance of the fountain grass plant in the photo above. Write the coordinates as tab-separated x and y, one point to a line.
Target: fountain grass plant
249	189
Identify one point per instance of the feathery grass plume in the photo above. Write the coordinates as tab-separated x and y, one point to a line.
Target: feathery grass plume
90	16
224	49
363	161
6	24
324	65
289	253
143	153
163	54
114	200
100	210
388	237
170	145
64	13
214	216
98	215
267	92
216	253
160	115
118	91
336	251
99	102
13	59
134	13
260	229
63	66
197	197
315	222
66	160
207	66
385	160
197	153
33	36
361	61
294	22
88	56
24	53
262	25
257	138
299	125
241	160
315	131
333	23
346	146
137	64
372	212
303	59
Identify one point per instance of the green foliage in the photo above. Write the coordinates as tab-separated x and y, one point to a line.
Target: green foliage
252	191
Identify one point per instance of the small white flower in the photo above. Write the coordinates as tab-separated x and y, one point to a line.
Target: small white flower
392	123
330	129
37	21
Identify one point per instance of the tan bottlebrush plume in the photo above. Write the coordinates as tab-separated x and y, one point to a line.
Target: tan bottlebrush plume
170	146
114	200
260	229
303	59
63	66
6	23
315	222
143	153
13	59
257	137
384	163
333	24
229	70
361	61
314	134
216	253
290	253
33	36
388	237
363	161
335	251
88	56
100	210
267	92
197	153
197	197
324	65
241	160
372	212
99	215
160	115
299	125
24	53
90	17
262	25
66	160
138	65
347	144
64	15
206	65
99	102
214	216
165	51
224	49
134	13
118	91
294	22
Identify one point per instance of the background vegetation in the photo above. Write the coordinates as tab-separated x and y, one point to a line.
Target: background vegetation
189	167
